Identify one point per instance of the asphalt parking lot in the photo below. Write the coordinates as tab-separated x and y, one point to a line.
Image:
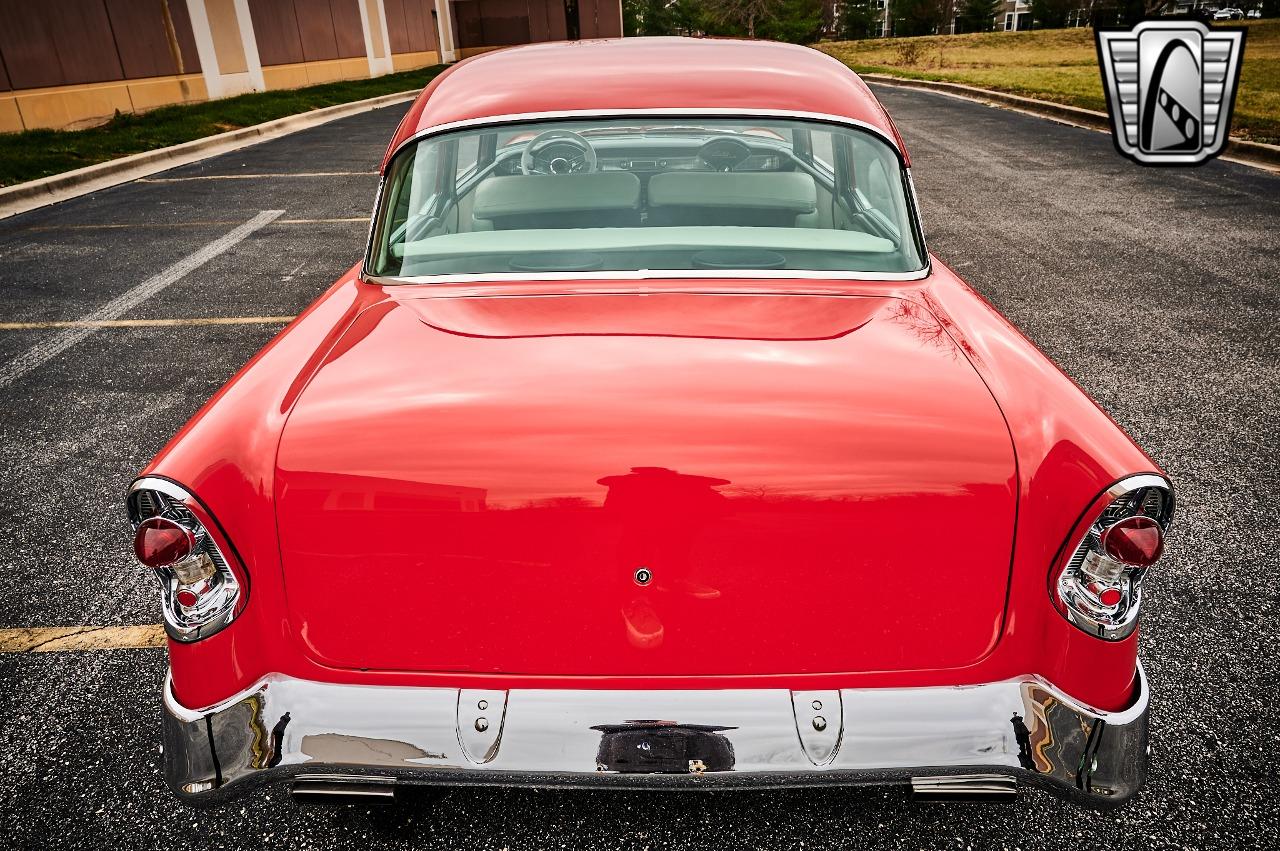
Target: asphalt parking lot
1158	290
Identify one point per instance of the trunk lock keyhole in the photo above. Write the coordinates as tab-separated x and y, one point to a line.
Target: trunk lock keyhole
643	576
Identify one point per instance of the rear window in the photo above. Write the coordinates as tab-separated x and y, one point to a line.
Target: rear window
646	195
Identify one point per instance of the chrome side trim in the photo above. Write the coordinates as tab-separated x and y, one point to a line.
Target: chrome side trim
1023	728
913	198
373	224
653	112
164	486
1143	480
654	274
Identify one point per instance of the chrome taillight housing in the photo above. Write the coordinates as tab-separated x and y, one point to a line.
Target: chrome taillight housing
1097	583
202	590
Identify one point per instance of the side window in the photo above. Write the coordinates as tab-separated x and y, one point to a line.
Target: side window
468	155
402	190
396	218
823	150
870	181
877	189
419	186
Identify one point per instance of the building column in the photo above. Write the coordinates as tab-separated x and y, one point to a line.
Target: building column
377	42
444	18
227	47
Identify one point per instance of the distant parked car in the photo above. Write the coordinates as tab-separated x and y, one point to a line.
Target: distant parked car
648	446
1228	15
1199	13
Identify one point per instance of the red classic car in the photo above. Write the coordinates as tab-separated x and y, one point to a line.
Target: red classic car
647	446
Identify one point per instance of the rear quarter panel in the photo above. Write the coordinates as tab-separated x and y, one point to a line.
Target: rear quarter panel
226	455
1068	451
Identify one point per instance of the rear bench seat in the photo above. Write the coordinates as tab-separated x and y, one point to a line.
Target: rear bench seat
600	199
760	199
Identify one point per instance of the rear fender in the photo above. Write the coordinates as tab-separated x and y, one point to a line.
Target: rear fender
1068	451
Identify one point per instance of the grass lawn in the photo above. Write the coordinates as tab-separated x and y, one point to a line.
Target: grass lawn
1060	66
39	153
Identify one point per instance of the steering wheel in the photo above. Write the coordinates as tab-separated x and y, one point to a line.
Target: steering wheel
558	152
724	154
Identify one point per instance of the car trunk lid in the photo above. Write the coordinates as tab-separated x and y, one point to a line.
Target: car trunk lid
646	485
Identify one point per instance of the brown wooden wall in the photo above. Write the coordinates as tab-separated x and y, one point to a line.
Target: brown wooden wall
290	31
70	42
143	44
410	25
599	19
494	23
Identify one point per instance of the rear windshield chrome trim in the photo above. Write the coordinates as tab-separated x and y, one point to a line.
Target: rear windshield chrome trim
650	275
661	112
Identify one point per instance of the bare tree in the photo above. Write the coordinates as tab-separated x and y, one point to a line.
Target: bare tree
743	13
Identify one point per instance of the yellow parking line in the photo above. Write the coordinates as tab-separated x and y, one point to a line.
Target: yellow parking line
364	220
147	323
47	639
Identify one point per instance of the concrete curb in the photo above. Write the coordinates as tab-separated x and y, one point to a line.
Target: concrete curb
1256	154
60	187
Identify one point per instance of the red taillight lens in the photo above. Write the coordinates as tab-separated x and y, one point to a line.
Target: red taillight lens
159	542
1135	541
1110	596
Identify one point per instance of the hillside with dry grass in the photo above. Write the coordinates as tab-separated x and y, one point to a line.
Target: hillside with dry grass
1060	66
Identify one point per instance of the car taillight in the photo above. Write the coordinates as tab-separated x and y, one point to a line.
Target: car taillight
1135	541
201	589
1097	585
159	542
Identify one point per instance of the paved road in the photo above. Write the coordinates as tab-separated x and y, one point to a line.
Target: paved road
1156	289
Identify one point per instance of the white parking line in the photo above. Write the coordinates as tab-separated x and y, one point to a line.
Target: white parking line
147	323
58	344
257	176
364	220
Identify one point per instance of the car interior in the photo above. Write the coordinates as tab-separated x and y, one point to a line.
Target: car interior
663	196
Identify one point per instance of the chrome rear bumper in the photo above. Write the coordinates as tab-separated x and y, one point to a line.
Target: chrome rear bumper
288	728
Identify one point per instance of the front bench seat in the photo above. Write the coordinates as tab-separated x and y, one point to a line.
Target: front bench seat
525	201
752	199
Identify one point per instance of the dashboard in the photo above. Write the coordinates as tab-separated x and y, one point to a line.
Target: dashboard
646	156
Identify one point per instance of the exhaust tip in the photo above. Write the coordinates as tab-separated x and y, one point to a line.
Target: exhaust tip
341	789
964	787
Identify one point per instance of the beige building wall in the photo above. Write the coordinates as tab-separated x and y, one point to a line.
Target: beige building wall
373	22
214	46
227	47
67	66
76	107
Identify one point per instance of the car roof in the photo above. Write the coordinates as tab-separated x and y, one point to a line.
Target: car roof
644	73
